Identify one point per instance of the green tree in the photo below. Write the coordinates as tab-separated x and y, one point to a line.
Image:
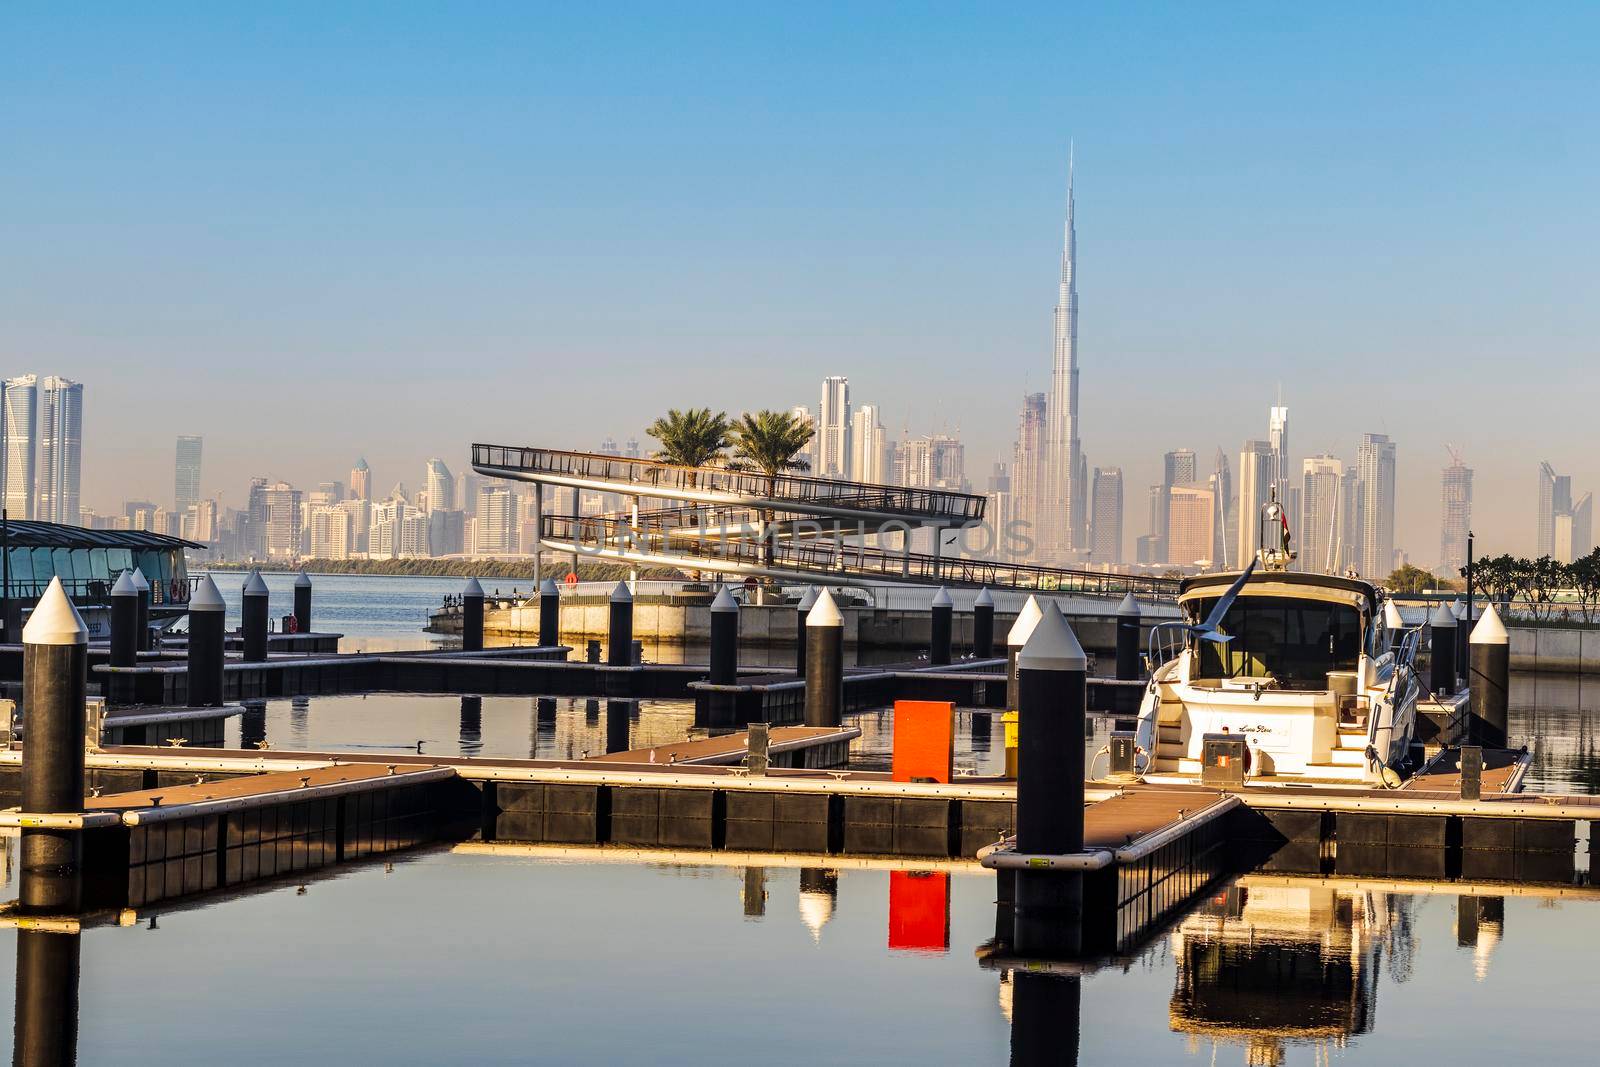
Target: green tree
769	443
692	438
1410	579
1584	574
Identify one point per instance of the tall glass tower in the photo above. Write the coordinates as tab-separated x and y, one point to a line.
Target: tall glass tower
19	422
186	474
61	451
1065	503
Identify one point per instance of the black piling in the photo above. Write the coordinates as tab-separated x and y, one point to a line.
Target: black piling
1463	637
46	1030
1490	681
255	612
470	731
253	724
808	600
472	616
619	647
724	639
983	625
124	635
1046	1014
1442	663
1128	639
943	623
302	603
618	712
55	677
1021	630
824	663
549	614
141	583
207	616
1395	625
1052	679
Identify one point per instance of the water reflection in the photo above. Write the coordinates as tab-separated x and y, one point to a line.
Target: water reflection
819	895
471	739
1555	715
46	1028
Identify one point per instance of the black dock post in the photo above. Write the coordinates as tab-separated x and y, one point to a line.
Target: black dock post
619	649
1046	1014
124	636
1463	636
253	724
983	625
207	615
472	616
1396	625
617	715
724	639
1021	630
824	663
302	603
1128	639
1442	665
47	997
549	614
55	678
141	583
1491	680
808	600
254	618
1052	679
943	621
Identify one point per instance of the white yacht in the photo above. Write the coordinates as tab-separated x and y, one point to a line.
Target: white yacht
1301	665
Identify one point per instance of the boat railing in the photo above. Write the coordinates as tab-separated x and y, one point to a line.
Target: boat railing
1405	658
1166	640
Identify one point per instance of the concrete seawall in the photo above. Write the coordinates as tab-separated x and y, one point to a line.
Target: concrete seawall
1553	650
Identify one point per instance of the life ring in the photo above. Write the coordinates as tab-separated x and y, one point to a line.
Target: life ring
571	578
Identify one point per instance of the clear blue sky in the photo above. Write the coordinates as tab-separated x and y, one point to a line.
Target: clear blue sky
312	231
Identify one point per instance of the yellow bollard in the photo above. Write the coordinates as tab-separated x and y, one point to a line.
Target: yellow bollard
1009	722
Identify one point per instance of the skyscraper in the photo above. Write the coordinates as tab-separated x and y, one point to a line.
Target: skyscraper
1278	440
19	429
867	445
61	450
1027	465
440	485
1555	498
1105	528
1064	497
1191	525
281	508
833	429
1375	466
1322	481
1255	489
1455	515
361	480
1227	512
186	474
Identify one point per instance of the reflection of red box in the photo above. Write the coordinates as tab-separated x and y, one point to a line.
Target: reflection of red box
924	740
919	911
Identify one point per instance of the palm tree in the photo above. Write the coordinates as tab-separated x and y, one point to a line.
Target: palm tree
692	438
769	443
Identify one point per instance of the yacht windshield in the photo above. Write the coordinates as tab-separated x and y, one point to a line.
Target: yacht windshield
1297	642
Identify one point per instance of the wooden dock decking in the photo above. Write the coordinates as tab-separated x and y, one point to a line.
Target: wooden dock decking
789	746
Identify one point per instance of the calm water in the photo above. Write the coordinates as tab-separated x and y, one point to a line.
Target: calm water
505	955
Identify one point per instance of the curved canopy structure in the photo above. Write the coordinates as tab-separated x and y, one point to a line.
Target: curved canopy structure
791	528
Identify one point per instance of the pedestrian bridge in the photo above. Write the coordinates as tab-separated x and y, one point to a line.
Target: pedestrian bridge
789	528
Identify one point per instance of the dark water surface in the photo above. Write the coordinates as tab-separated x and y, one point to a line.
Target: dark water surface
504	955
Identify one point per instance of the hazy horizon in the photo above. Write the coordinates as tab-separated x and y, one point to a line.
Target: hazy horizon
311	235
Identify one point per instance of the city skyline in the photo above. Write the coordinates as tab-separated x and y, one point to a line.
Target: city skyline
1215	251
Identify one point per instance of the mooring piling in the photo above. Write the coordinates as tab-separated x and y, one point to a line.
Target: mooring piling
1128	639
1442	665
472	616
55	678
824	662
943	623
302	603
808	600
1052	682
619	650
46	1030
1021	629
141	583
1490	683
983	625
549	613
207	616
1396	625
724	639
254	614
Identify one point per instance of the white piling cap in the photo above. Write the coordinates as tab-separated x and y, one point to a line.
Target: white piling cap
621	594
1391	616
808	599
206	597
54	620
302	580
824	612
255	585
983	599
124	585
941	599
472	588
1128	607
1052	646
140	582
1027	619
548	588
724	601
1442	619
1489	630
1458	609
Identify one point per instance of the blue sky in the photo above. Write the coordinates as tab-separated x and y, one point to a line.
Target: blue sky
312	231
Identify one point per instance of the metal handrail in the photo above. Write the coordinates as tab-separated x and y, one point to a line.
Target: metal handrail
796	488
824	556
